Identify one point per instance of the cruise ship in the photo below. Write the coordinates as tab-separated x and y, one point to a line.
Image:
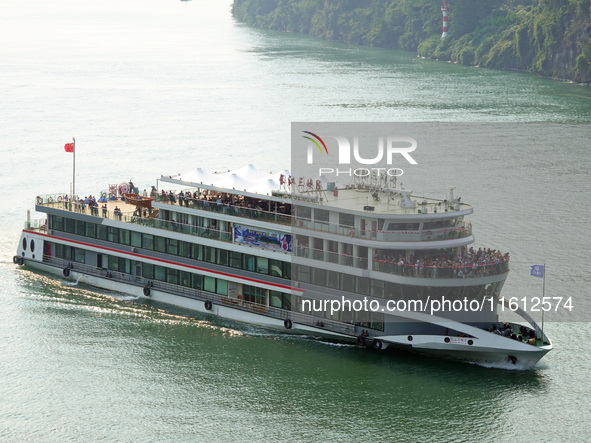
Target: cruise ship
367	263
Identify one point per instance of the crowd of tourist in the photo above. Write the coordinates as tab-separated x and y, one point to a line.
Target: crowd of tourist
91	201
473	263
220	201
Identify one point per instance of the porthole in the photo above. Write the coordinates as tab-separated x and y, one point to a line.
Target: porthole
410	338
446	339
24	244
32	245
470	342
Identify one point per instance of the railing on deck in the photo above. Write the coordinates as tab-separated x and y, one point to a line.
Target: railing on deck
460	230
451	271
232	210
129	217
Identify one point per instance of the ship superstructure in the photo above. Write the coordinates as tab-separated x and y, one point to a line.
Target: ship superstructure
276	252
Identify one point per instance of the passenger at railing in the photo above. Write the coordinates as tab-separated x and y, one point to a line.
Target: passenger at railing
104	210
117	212
171	197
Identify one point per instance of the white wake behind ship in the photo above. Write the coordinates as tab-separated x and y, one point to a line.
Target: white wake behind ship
367	264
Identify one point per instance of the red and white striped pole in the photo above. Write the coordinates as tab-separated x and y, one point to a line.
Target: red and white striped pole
444	11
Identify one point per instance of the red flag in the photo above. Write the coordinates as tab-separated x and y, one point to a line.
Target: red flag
69	147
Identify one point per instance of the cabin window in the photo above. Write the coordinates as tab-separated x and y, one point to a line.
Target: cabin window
69	225
160	244
90	230
445	223
113	234
403	226
79	255
101	232
346	219
276	268
185	249
136	239
392	291
321	215
248	262
148	241
80	227
319	276
197	252
253	294
209	283
222	257
172	246
209	254
303	273
159	273
377	288
172	276
148	270
124	237
221	287
333	279
304	212
58	223
363	285
197	281
347	282
235	259
113	263
262	265
280	300
185	278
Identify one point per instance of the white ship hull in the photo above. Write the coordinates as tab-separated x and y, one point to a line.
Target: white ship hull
488	349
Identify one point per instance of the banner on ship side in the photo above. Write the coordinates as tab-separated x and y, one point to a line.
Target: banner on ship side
264	239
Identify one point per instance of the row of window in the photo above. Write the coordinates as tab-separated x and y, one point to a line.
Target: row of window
385	289
363	318
66	252
322	215
219	286
150	271
238	260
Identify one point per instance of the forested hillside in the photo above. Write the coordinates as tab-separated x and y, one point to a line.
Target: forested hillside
545	37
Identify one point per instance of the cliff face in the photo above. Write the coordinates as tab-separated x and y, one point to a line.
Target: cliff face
545	37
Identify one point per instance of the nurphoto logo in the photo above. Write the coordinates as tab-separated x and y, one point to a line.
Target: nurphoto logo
380	148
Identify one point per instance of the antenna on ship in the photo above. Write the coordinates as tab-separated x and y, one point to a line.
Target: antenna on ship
444	10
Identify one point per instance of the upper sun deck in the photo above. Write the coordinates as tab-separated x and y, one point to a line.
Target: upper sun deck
268	189
387	202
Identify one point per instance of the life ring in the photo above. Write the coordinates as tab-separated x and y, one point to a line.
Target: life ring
208	305
50	200
39	201
66	272
147	291
287	323
60	198
361	340
352	233
378	344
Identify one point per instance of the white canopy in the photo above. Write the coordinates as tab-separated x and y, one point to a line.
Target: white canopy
198	175
247	178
